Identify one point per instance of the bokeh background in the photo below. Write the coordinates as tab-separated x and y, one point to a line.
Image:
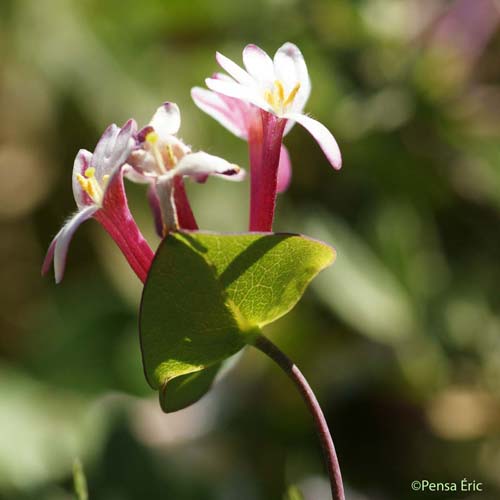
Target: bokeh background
400	339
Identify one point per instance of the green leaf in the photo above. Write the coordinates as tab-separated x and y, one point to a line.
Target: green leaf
264	275
187	389
186	324
207	296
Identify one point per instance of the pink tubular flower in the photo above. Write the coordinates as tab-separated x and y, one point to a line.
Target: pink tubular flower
261	104
99	193
162	160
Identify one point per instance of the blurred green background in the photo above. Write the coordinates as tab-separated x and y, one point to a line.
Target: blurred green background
400	339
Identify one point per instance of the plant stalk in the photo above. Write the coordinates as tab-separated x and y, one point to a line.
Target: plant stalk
289	367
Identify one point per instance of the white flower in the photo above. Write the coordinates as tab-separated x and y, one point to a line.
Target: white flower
278	86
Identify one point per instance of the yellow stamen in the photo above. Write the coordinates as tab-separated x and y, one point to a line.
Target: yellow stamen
90	172
91	186
279	91
152	137
82	181
268	96
291	95
171	156
86	185
276	96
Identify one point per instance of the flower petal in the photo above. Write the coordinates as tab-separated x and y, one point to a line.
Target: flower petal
104	148
289	125
223	76
237	91
58	249
291	69
259	64
82	162
49	256
284	170
113	148
212	104
134	171
322	135
200	165
237	72
124	144
167	119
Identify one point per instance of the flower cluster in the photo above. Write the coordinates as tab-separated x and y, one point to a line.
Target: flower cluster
259	104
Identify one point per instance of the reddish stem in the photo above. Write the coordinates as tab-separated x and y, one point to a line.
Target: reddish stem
331	461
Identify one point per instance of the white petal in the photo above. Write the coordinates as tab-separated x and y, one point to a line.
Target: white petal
291	69
82	162
167	119
217	108
284	170
323	137
105	145
49	256
237	72
223	76
200	165
64	236
113	148
123	146
258	64
289	125
238	92
135	174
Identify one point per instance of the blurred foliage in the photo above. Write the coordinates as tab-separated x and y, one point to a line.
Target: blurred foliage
80	481
401	338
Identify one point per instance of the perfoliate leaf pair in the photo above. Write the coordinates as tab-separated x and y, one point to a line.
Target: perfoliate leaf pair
208	295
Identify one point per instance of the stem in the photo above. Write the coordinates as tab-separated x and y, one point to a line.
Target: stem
332	464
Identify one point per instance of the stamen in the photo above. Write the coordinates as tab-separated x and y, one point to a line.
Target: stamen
276	96
291	95
268	96
171	156
82	181
87	185
152	137
279	91
90	172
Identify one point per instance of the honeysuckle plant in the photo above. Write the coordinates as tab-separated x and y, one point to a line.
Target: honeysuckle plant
207	295
261	103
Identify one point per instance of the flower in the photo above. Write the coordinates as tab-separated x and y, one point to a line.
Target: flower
99	193
163	160
261	104
237	116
